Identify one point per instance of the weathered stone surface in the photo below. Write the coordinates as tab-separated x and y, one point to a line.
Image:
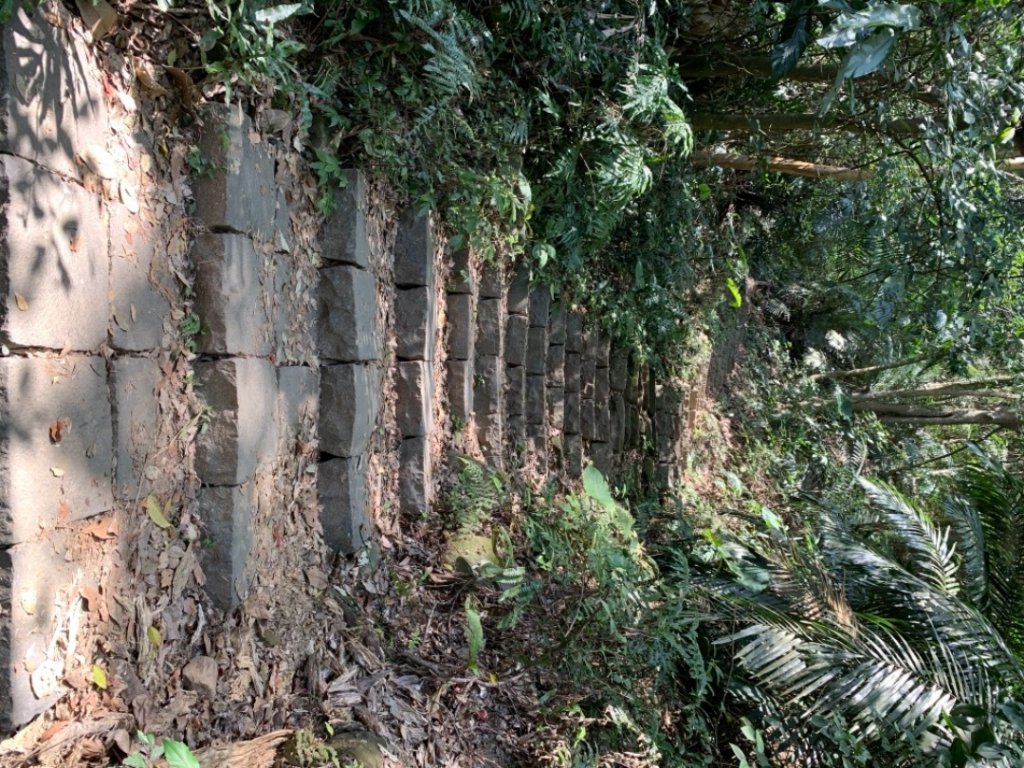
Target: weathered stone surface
540	306
54	269
572	371
634	389
237	193
344	503
602	389
140	284
617	417
516	332
618	370
200	675
241	393
602	420
460	277
51	95
136	423
349	403
588	376
55	443
573	455
413	406
518	297
536	408
556	365
602	457
492	280
488	385
574	332
343	238
490	436
347	322
602	351
537	351
489	327
461	326
298	399
33	577
587	425
460	388
234	305
414	250
415	323
556	408
227	515
556	326
536	442
515	431
415	482
515	391
572	413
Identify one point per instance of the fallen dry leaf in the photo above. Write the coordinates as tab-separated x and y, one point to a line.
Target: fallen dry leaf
21	302
63	511
56	471
103	528
58	429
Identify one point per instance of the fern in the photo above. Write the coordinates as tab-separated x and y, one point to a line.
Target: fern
476	494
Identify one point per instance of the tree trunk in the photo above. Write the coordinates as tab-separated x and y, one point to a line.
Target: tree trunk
940	389
705	159
781	122
854	373
1001	417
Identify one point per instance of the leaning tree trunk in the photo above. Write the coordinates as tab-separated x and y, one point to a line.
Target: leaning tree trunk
704	159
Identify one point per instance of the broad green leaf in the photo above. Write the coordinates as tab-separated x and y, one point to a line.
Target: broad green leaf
596	487
154	636
156	512
276	13
474	634
179	755
868	56
844	405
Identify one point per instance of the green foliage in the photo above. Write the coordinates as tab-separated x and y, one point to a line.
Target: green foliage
476	494
857	646
474	635
174	753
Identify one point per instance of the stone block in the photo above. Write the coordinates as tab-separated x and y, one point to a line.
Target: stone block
414	250
343	237
238	192
572	371
136	421
56	443
516	333
536	408
574	332
460	388
489	323
140	283
487	385
33	577
617	417
51	94
518	297
54	266
602	457
298	400
602	388
556	365
618	370
556	408
556	325
573	455
349	405
633	433
602	421
515	391
347	316
232	301
227	514
492	280
461	319
587	425
490	435
345	513
242	435
460	276
634	380
536	441
415	323
588	376
415	481
515	430
540	306
537	351
413	398
572	413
